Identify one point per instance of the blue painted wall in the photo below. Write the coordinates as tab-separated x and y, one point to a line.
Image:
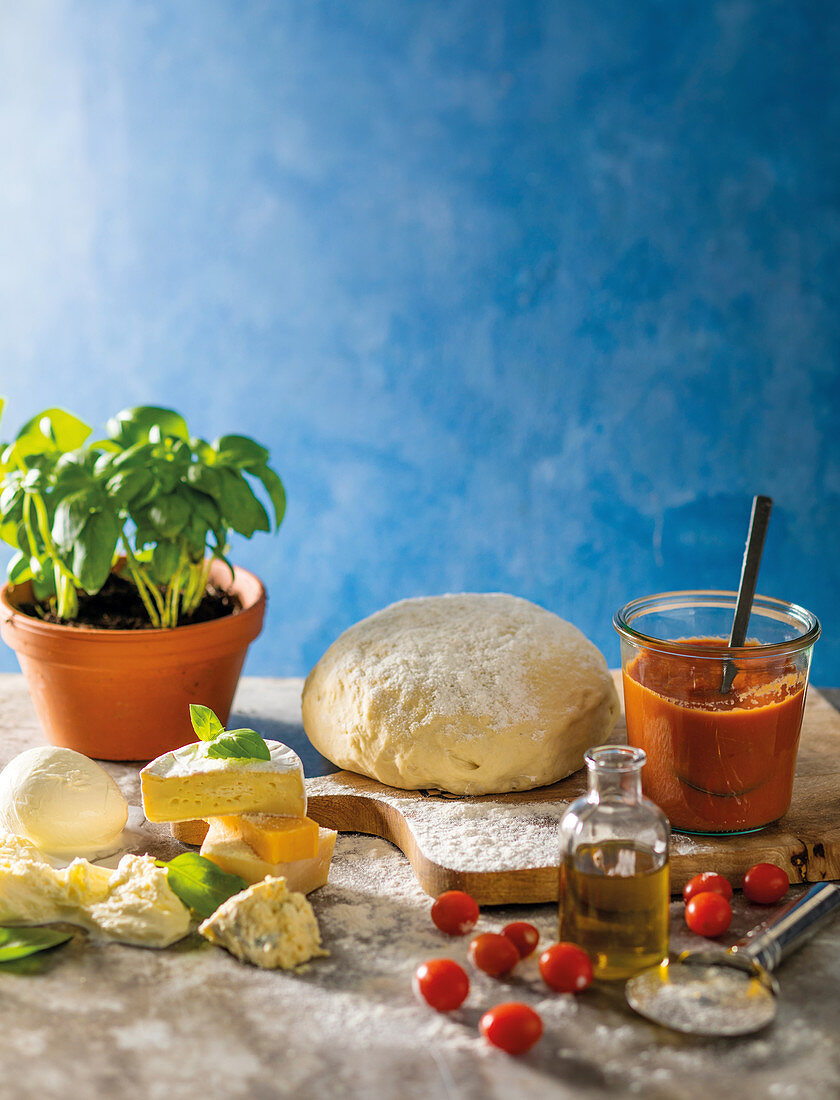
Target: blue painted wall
522	296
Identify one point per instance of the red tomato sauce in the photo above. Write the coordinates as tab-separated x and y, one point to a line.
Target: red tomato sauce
715	763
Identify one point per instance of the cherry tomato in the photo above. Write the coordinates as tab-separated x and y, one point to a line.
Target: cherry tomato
708	914
494	954
566	968
455	912
765	883
512	1026
441	983
707	883
523	936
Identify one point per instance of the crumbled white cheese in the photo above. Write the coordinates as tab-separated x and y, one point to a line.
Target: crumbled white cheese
140	907
133	904
30	890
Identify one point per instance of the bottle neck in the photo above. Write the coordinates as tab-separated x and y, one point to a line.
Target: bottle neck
615	771
609	783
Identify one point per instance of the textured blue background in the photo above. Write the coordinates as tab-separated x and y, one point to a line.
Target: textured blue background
526	297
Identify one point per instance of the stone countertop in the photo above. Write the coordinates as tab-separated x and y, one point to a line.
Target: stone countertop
114	1021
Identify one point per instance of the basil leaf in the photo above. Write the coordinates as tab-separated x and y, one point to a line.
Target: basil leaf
246	744
204	722
35	480
167	514
136	425
132	458
202	449
51	430
239	450
240	508
194	536
71	515
17	943
93	553
18	569
274	487
203	505
43	585
11	499
128	485
75	471
205	479
200	884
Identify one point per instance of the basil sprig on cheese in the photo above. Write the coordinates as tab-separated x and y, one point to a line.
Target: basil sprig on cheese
244	744
199	883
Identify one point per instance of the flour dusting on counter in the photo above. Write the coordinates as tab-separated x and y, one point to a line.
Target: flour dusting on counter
491	836
466	834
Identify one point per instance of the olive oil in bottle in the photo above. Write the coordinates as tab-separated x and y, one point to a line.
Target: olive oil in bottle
614	904
615	888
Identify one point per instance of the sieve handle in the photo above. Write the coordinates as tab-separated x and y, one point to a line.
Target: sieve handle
774	939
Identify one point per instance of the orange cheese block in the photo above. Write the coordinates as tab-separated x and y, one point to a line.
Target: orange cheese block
301	875
274	839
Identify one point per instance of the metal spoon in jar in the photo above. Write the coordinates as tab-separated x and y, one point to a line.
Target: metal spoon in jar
717	992
759	520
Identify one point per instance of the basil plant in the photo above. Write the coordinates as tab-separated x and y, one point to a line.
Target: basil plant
149	493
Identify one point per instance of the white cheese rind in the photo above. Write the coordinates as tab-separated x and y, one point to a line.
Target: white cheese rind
186	784
266	925
189	761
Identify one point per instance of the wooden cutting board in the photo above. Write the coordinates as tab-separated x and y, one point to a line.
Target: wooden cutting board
503	849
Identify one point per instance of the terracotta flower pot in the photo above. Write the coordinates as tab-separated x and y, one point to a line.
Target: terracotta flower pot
125	694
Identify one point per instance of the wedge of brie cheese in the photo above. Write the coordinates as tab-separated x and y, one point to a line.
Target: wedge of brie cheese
188	783
266	925
235	856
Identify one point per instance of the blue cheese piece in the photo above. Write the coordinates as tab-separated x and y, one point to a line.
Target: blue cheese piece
266	925
187	784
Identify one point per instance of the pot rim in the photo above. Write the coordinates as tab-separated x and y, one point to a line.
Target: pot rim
11	613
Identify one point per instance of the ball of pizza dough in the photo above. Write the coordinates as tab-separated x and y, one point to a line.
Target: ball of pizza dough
479	693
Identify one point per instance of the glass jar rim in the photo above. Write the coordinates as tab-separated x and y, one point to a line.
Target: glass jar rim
722	598
614	758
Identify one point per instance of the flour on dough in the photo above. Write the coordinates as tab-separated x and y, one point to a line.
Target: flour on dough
478	693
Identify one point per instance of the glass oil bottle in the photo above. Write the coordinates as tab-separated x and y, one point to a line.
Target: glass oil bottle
614	879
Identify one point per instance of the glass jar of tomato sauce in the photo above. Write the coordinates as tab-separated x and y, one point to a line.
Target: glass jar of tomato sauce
718	761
